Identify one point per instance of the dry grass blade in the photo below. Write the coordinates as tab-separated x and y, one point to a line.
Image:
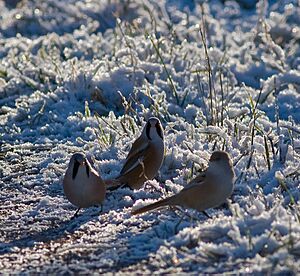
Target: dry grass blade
171	83
209	71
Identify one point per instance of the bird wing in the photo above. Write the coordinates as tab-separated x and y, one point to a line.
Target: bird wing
136	155
183	198
196	181
190	194
136	147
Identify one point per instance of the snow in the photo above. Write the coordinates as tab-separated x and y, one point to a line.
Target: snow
86	75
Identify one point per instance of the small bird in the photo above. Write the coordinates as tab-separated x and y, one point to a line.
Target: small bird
144	158
82	185
207	190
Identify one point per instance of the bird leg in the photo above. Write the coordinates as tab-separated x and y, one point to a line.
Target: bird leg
192	218
178	223
151	185
76	213
184	213
206	214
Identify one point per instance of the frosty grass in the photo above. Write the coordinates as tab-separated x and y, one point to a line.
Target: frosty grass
85	75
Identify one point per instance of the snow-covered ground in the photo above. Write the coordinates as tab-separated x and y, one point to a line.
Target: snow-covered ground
235	87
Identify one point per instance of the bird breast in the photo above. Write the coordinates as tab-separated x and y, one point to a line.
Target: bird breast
158	150
221	178
84	191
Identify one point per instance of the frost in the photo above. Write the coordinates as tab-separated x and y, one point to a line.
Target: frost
256	208
278	81
86	75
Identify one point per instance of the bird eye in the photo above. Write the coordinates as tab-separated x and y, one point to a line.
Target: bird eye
215	157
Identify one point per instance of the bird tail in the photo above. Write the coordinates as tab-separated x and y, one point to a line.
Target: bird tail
155	205
113	184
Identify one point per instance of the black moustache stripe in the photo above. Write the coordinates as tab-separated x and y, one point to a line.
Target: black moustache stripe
148	130
75	169
87	170
159	130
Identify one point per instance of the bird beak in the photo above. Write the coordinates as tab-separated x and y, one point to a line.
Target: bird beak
82	162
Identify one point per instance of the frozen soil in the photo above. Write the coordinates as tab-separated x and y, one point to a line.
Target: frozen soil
86	75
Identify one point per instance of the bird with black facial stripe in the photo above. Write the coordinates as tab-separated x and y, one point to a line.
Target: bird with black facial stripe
144	158
82	185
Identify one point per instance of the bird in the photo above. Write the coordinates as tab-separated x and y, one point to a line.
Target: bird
144	158
82	185
207	190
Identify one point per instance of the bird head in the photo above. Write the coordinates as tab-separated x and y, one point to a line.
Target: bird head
78	160
153	129
220	157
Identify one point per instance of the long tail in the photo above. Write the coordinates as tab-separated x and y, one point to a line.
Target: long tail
157	204
112	184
